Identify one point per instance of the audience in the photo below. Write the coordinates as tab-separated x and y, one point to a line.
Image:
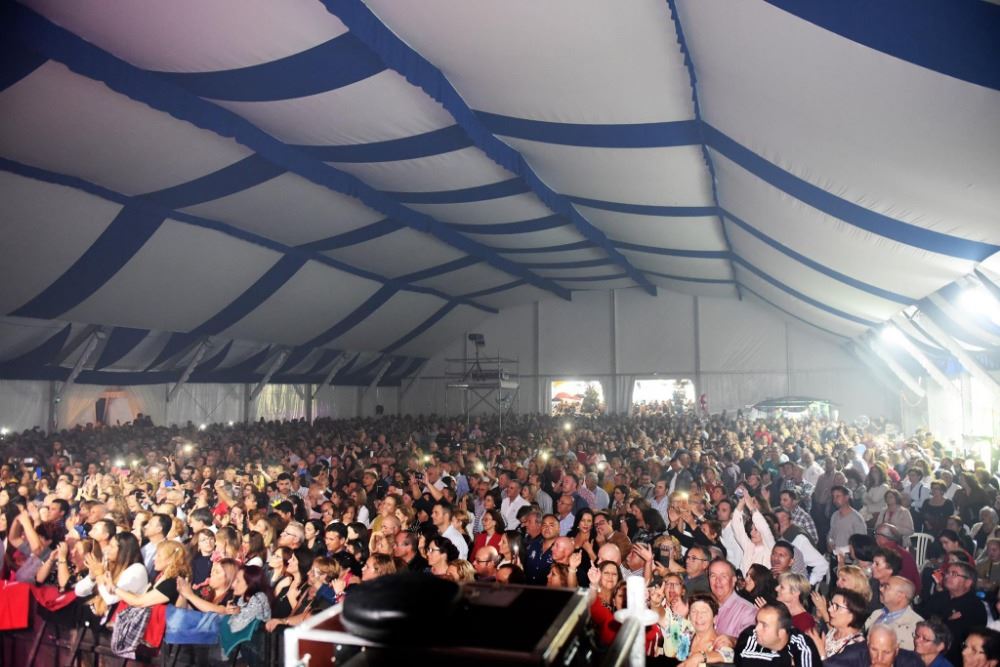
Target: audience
732	523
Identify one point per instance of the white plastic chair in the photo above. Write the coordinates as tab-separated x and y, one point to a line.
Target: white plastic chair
918	543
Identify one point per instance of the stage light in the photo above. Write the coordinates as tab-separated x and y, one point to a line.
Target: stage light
230	423
4	430
202	427
892	335
979	301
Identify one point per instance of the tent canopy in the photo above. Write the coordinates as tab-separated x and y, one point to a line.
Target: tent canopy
241	188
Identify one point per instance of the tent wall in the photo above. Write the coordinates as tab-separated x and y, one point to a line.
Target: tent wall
737	352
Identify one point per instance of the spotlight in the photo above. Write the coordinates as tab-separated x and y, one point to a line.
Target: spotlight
4	430
567	426
427	459
602	465
119	463
892	335
479	466
230	423
545	456
202	427
978	300
188	448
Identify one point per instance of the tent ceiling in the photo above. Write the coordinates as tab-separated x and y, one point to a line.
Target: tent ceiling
374	178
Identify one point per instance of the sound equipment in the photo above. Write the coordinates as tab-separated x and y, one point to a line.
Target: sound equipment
480	624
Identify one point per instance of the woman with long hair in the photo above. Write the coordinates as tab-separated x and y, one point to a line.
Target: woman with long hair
314	536
216	588
511	548
171	564
759	582
121	565
583	533
256	552
876	486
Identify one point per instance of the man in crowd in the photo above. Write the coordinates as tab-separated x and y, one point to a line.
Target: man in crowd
512	502
539	558
807	560
846	521
773	640
441	517
696	564
405	548
735	613
897	612
957	605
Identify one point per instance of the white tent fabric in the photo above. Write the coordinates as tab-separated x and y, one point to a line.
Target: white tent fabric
218	189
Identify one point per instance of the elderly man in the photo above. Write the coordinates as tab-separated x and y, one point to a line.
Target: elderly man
735	614
602	501
485	563
957	605
512	502
897	612
881	650
696	564
774	641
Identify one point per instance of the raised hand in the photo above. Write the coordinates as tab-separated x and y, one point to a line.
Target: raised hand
575	559
594	577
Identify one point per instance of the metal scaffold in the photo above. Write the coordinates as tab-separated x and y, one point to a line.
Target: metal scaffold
488	381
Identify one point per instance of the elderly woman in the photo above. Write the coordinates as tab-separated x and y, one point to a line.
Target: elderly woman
981	648
983	529
847	611
931	640
705	645
895	514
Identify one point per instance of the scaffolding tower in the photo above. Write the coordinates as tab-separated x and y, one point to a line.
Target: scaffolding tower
485	381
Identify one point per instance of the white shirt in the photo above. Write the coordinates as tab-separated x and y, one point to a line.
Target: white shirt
133	579
811	558
812	473
566	524
508	510
456	538
734	552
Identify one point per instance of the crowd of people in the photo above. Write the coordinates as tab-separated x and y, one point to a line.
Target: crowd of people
779	541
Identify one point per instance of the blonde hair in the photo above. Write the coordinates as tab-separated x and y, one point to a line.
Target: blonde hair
856	581
177	559
464	570
797	583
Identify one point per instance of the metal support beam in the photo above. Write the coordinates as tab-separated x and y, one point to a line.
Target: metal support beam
911	382
74	345
904	342
338	363
409	385
308	391
872	362
378	376
272	369
940	337
88	350
199	354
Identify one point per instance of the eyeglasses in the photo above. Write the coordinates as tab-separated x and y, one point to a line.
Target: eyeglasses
957	574
703	560
483	562
837	605
435	550
917	636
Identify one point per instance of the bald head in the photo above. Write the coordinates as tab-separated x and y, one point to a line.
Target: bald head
562	549
610	552
882	645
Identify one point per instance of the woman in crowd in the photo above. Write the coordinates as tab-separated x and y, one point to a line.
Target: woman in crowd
876	487
317	594
705	645
227	544
847	613
558	576
936	509
931	641
440	552
122	566
754	537
984	528
461	571
314	536
201	561
379	565
759	582
981	648
255	553
492	532
511	548
216	588
619	502
849	578
582	533
170	563
793	591
895	514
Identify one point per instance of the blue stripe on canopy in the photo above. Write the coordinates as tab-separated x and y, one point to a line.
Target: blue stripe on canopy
373	303
252	363
440	269
674	252
112	250
435	142
16	63
41	35
800	296
174	346
246	173
816	266
495	290
326	358
959	38
634	135
845	210
514	186
355	236
210	364
421	328
121	341
521	227
647	209
334	64
265	286
791	314
44	353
